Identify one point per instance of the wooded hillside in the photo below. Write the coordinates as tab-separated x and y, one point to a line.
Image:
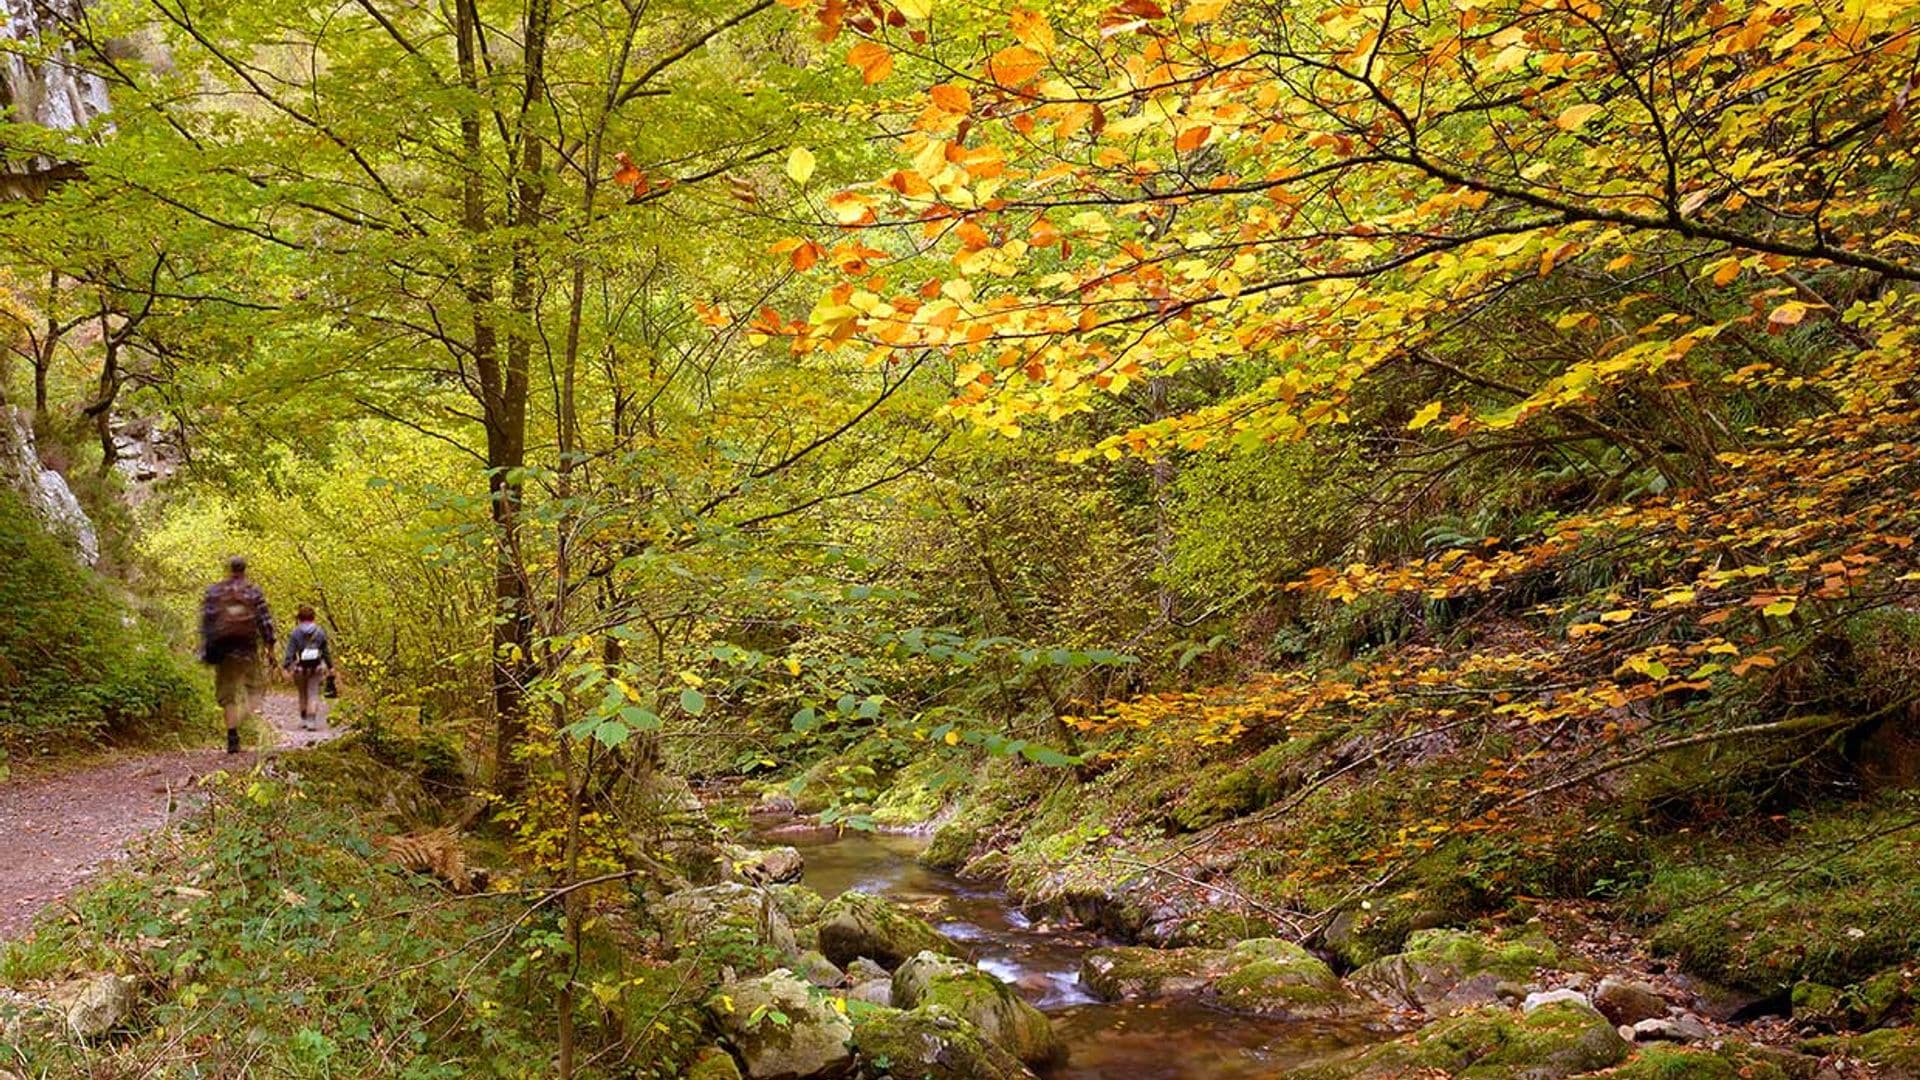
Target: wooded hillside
1292	479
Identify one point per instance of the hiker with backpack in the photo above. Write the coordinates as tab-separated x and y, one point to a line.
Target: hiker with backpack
234	627
309	663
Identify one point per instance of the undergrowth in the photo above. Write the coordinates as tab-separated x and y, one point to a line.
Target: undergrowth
75	668
270	936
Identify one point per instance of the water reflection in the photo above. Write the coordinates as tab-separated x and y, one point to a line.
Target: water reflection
1139	1041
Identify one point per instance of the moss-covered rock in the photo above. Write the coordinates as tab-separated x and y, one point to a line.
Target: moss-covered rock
1270	977
930	979
928	1043
801	906
761	866
729	924
952	845
818	970
1263	977
1663	1061
1895	1051
1445	971
856	924
1869	1003
1562	1039
782	1027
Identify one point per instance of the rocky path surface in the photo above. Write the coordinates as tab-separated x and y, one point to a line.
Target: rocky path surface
60	827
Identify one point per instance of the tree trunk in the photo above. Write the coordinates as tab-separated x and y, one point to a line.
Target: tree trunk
503	404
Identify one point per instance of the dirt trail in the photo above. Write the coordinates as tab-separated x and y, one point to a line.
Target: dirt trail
60	827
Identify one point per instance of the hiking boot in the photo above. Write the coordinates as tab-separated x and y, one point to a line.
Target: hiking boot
233	740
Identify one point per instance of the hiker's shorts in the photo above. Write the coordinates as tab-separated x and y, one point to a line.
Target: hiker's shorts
309	682
236	680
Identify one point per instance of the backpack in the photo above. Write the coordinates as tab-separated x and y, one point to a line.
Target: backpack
236	625
310	647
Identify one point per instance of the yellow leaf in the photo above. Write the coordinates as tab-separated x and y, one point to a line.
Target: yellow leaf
1428	414
800	164
1572	118
793	665
1787	314
1031	28
915	9
1725	270
1781	607
1617	615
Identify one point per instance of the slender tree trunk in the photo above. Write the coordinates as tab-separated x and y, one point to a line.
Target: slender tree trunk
503	403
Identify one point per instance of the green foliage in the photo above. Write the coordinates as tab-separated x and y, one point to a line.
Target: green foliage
74	666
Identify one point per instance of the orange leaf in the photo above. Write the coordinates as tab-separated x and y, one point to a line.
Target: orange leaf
1014	65
1193	138
951	98
873	60
628	174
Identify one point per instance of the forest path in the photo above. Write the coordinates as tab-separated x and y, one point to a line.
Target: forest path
60	827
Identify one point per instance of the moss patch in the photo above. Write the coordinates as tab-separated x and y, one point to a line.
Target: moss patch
1664	1062
1834	910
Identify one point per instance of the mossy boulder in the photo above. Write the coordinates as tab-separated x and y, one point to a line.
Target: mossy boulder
1445	971
1869	1003
929	979
952	845
1565	1038
1270	977
856	924
818	970
928	1043
802	907
1895	1052
1262	977
762	866
737	925
782	1027
1663	1061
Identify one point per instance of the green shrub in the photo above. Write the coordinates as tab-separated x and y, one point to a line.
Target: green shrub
74	668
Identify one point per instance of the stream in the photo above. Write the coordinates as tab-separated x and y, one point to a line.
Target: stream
1122	1041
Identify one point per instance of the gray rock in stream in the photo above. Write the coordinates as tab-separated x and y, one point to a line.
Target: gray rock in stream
1445	971
856	924
928	1043
762	866
1261	977
929	979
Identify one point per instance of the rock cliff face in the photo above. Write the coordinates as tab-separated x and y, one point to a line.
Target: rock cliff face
49	93
45	490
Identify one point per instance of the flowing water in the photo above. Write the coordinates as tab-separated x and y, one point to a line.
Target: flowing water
1139	1041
